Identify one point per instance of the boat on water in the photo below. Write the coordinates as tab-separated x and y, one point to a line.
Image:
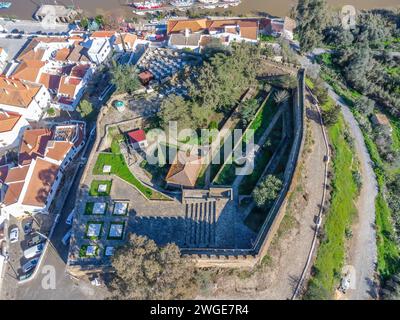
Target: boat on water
148	4
208	1
182	3
232	3
5	5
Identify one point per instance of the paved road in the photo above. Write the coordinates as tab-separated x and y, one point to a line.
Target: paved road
363	252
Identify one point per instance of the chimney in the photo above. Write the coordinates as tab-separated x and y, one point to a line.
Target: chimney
187	33
8	82
6	92
14	84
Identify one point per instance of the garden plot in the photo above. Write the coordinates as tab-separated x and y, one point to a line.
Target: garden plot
120	208
109	251
99	208
88	251
116	231
93	230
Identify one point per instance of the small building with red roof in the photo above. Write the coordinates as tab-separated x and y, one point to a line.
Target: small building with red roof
137	139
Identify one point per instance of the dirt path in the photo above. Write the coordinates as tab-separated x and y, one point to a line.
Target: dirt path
362	254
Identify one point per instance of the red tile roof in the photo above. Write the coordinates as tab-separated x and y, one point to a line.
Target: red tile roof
43	177
8	120
137	136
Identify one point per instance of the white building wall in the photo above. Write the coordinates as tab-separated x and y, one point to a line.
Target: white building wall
35	109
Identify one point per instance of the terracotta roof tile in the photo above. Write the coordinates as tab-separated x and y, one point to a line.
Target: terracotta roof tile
33	144
13	192
102	34
50	81
43	176
185	170
8	120
57	150
17	174
17	93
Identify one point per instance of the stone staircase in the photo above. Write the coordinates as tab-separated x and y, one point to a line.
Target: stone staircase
200	217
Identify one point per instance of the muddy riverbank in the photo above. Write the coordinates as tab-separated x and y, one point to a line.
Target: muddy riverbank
24	9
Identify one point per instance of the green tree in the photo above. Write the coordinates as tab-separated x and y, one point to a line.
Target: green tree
100	20
84	22
143	270
331	115
85	108
391	288
248	110
311	16
281	97
175	108
267	192
124	78
364	105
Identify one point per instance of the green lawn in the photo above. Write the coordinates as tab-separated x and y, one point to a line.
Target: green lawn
120	169
94	187
331	253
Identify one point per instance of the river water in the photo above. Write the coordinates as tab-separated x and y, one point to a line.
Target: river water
24	9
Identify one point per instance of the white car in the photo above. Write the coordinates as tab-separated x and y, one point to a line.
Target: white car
70	217
65	239
33	251
30	265
14	235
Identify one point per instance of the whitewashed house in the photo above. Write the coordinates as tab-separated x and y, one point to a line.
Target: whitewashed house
43	155
30	100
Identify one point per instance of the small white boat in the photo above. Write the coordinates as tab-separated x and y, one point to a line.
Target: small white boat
182	3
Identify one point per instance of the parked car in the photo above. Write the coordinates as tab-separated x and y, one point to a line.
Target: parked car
25	276
70	217
4	252
14	235
345	283
65	239
28	227
35	240
33	251
30	265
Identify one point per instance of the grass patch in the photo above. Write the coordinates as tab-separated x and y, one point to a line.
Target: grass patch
331	253
120	169
94	187
83	249
388	252
387	247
